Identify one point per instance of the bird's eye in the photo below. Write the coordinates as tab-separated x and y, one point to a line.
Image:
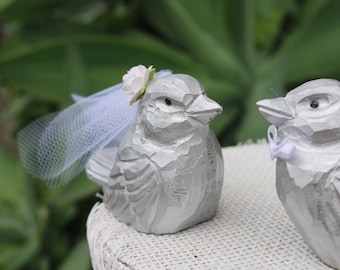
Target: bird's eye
314	104
167	101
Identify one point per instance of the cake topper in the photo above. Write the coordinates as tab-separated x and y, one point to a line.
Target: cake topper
308	161
157	160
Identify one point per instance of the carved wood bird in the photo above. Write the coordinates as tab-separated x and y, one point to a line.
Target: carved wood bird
308	179
167	173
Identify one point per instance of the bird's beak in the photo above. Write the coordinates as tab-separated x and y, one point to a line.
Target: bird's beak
275	110
204	109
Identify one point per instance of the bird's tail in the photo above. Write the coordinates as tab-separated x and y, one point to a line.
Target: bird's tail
100	165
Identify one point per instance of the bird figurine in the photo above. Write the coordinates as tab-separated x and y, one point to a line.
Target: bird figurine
167	173
146	141
305	139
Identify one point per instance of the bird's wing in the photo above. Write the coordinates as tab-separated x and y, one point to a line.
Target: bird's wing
98	168
140	180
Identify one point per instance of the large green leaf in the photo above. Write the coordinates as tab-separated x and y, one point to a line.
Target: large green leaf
269	18
16	255
15	196
175	18
312	50
18	226
195	29
44	69
240	19
79	258
80	188
37	10
5	3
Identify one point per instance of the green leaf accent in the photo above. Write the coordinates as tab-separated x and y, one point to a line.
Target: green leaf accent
142	91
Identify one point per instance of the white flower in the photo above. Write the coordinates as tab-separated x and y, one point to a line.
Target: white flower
136	80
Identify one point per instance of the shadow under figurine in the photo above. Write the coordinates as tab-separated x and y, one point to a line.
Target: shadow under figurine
308	161
157	160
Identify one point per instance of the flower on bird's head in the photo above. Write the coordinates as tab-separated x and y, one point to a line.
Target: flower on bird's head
136	80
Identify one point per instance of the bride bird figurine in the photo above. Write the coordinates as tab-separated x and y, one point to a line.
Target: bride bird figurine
158	162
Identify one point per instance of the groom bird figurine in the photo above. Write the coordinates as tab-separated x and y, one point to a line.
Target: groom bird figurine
308	178
167	173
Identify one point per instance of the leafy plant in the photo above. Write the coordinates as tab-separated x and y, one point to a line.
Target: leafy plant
241	51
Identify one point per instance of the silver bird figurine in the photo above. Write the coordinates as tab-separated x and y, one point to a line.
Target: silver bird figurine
308	162
167	173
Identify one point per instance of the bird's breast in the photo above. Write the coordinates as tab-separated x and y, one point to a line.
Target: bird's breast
309	159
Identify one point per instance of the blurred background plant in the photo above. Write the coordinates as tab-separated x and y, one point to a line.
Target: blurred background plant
241	51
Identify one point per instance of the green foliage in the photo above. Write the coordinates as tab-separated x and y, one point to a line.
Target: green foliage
241	51
34	221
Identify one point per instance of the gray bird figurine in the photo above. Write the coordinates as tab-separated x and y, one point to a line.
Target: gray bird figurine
308	162
167	173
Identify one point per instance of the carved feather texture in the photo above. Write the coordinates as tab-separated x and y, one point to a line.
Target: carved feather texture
308	182
167	173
